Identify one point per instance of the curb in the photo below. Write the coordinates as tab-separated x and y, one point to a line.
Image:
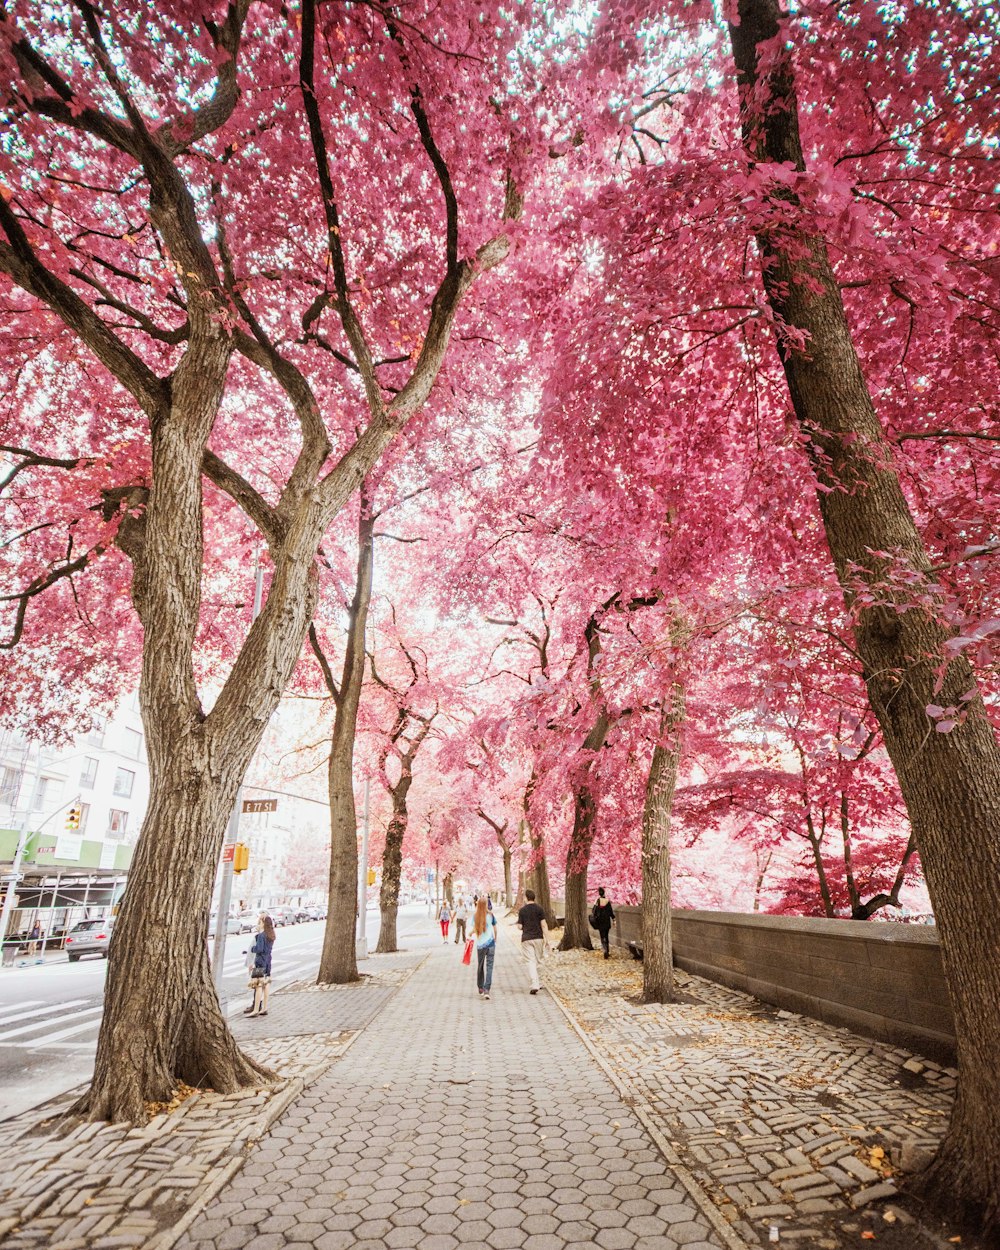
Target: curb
170	1236
670	1156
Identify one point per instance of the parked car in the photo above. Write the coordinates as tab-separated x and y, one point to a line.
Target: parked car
248	921
304	916
317	913
233	924
89	937
283	915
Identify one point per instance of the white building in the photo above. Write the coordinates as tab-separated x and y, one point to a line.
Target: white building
70	872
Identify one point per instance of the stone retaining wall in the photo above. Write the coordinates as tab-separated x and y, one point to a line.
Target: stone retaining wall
882	980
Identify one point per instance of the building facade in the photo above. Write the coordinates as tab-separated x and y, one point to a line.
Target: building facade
68	873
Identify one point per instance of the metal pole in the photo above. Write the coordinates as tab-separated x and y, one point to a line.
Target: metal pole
362	942
232	830
22	842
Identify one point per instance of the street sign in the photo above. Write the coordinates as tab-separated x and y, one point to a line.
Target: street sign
228	852
260	805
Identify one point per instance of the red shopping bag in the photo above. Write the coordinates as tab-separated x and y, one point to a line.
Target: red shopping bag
467	956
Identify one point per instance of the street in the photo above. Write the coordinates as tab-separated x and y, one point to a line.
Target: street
50	1014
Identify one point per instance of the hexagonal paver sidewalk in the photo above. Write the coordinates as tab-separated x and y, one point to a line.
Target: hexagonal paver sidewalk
454	1121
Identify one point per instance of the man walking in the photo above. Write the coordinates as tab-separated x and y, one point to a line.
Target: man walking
460	917
534	937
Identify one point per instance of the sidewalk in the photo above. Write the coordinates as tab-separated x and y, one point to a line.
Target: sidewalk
413	1114
786	1123
459	1122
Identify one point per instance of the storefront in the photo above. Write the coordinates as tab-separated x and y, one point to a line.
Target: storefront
56	899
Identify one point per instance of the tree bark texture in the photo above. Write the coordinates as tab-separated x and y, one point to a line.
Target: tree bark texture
657	944
577	931
536	875
950	781
392	863
339	964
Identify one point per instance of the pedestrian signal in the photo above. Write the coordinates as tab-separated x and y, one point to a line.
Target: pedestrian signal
371	876
241	857
73	817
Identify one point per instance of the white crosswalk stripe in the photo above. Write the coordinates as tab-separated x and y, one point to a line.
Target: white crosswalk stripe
42	1011
52	1038
7	1035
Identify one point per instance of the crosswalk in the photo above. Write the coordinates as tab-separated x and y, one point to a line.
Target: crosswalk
72	1025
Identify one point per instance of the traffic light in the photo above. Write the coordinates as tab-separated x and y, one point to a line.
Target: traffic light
241	857
73	817
371	876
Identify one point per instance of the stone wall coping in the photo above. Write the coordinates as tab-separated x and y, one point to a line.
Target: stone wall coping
849	930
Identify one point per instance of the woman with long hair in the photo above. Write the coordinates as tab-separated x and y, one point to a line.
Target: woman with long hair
484	931
260	970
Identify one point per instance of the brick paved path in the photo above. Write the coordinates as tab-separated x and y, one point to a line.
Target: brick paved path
457	1122
783	1121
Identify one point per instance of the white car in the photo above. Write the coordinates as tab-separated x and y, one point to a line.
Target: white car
232	924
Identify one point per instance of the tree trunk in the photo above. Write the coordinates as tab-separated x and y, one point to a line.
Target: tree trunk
576	934
508	883
577	931
950	781
657	945
339	964
161	1019
392	866
449	888
815	841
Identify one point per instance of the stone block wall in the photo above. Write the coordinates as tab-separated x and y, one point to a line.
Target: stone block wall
881	980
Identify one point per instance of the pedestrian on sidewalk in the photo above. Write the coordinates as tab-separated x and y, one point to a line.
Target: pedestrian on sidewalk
534	937
444	916
260	973
484	930
34	937
601	918
461	916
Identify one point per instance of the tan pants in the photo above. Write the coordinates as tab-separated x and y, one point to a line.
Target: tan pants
532	952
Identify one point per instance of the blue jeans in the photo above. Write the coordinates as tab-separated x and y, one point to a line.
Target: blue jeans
484	966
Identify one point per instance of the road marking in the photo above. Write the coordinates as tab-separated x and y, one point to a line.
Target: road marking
42	1011
50	1038
28	1028
77	1048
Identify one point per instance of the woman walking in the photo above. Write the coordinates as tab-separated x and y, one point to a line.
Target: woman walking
444	917
601	918
484	931
260	972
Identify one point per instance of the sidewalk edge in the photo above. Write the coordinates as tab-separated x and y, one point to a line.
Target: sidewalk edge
636	1104
170	1236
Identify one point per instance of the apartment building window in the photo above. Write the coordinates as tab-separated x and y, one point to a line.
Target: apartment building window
117	825
124	781
88	773
84	815
10	785
133	743
43	793
96	735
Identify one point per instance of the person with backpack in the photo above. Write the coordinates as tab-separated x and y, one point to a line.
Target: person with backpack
601	919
